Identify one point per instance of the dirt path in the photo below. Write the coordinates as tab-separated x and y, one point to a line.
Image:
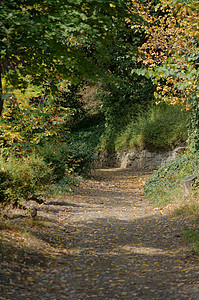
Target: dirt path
104	242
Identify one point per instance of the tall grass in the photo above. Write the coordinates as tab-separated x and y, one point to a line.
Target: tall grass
191	235
161	127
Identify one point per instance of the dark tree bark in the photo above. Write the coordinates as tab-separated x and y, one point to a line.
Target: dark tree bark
1	95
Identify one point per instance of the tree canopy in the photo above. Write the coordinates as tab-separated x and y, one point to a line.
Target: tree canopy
45	42
52	40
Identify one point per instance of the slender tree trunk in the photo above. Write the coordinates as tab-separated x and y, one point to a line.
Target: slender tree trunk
1	95
196	123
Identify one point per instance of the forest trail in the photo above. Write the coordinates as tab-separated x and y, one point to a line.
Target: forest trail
103	242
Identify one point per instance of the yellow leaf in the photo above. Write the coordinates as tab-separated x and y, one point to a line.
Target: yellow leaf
123	294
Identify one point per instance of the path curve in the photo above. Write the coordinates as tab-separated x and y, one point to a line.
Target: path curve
104	242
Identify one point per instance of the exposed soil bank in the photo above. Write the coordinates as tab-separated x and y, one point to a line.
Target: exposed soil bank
136	160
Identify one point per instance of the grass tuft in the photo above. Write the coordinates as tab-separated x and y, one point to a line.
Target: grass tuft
191	235
160	128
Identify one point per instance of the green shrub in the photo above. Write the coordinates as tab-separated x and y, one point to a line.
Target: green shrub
80	157
66	158
51	154
89	131
25	124
22	178
166	181
63	186
161	127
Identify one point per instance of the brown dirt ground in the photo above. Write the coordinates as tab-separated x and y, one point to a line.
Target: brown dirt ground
103	242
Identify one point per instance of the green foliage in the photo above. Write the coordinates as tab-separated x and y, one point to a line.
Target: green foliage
194	122
172	63
27	124
119	103
71	99
89	130
32	122
23	178
48	40
123	93
62	187
161	127
68	158
121	100
191	235
52	154
166	181
55	169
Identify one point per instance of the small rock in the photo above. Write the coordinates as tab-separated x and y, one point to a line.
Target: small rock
33	212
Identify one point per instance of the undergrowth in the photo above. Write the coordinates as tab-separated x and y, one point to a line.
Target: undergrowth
23	178
191	235
164	186
161	127
51	170
89	131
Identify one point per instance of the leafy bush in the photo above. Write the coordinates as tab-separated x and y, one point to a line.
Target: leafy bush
30	119
88	131
161	127
64	186
51	154
23	178
166	181
73	157
55	166
80	157
71	99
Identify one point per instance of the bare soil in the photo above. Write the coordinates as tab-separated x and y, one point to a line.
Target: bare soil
103	242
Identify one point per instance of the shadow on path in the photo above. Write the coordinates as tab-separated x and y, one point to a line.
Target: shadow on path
109	243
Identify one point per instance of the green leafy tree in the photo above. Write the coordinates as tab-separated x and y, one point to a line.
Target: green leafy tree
48	44
52	40
37	39
171	55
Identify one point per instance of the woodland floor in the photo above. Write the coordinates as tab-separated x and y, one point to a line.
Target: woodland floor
103	242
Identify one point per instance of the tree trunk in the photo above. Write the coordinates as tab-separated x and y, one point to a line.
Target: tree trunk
187	183
1	95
